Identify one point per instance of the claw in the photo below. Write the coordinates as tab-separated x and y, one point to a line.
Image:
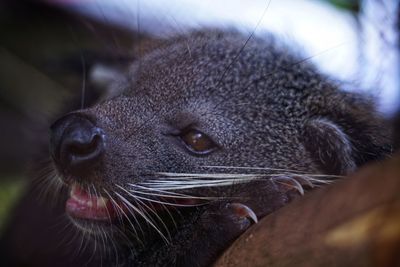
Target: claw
244	211
291	183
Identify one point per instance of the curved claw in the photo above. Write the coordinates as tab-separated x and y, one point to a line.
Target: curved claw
242	210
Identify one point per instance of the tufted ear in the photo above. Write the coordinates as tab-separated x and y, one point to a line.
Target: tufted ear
329	146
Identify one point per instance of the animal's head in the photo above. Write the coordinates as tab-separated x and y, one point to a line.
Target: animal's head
205	117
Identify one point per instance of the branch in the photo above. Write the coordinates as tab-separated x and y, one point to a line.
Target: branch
355	222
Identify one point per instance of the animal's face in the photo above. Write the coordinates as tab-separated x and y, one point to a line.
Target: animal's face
195	121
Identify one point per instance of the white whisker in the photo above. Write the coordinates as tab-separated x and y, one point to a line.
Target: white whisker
142	215
121	211
206	175
182	181
167	203
241	175
148	208
168	196
252	168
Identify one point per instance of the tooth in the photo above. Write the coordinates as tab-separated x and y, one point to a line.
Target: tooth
72	193
102	202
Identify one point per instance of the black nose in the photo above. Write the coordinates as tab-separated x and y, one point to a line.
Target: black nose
76	144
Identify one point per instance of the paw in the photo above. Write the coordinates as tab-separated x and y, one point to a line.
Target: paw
218	226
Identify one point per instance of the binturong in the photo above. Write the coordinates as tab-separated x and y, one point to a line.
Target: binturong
212	131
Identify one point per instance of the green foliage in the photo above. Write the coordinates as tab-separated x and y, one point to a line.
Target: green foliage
351	5
9	193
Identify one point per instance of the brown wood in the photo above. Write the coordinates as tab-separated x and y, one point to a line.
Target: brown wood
355	222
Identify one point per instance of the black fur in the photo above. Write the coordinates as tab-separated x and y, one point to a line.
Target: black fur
261	104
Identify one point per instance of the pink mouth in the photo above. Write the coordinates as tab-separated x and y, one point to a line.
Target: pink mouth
85	206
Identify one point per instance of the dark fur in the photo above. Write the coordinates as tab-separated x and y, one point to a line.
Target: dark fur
261	104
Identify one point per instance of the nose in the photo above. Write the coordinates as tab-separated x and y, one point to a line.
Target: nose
76	143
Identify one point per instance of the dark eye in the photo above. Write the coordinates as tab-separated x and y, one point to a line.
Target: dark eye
198	142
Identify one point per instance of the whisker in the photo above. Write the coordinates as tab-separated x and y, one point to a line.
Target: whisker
48	186
164	206
251	168
122	212
167	203
212	175
175	185
83	92
148	208
158	190
143	216
206	175
168	196
244	45
181	181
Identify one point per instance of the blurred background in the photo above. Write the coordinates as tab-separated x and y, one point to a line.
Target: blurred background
57	56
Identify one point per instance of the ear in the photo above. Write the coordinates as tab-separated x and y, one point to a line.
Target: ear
329	146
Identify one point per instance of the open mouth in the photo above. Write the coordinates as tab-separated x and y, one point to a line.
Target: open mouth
83	205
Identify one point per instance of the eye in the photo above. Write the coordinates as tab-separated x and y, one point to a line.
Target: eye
198	142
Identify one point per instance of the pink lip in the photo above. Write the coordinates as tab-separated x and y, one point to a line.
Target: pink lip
85	206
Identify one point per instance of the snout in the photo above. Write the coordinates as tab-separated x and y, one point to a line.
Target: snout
76	144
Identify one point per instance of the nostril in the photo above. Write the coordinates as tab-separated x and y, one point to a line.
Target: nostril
83	149
76	143
81	145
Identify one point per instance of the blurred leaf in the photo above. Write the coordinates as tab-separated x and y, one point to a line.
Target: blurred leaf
10	189
351	5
